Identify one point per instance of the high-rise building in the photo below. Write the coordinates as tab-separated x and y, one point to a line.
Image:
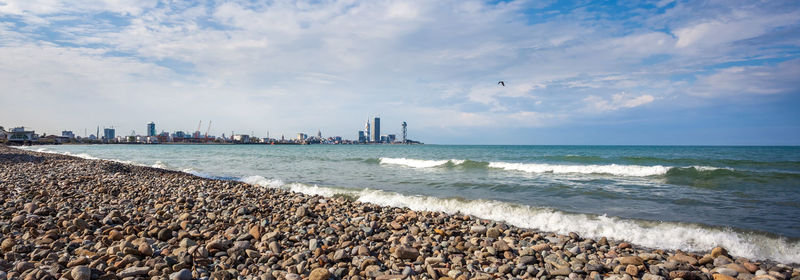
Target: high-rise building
362	137
68	133
375	134
366	131
151	129
404	131
108	133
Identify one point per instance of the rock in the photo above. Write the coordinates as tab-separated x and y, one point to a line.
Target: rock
722	277
145	250
340	255
526	260
165	234
319	274
751	267
29	207
183	274
133	271
224	275
630	260
274	247
624	245
79	261
727	271
23	266
682	258
504	269
115	235
648	276
632	270
81	273
705	260
560	271
493	233
684	274
8	244
478	229
405	252
541	247
718	251
301	212
501	246
433	260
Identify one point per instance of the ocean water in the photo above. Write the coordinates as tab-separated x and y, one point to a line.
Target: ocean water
746	199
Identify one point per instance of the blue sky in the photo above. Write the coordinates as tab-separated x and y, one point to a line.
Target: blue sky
576	72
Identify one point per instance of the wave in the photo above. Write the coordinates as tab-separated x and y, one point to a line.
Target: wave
664	235
418	163
612	169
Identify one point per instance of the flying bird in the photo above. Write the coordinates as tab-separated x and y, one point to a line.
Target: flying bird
501	83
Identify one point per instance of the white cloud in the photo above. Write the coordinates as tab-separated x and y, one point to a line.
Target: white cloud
617	101
743	80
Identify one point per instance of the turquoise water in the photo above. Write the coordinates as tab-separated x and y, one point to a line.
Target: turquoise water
690	198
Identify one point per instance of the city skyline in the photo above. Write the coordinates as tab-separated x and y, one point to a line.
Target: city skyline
643	72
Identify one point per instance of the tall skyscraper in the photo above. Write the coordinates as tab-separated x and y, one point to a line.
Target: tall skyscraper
109	133
366	131
151	129
375	134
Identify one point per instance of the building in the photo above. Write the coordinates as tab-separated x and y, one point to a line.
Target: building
68	134
19	134
151	129
362	138
57	139
367	131
109	134
375	134
301	136
391	138
241	138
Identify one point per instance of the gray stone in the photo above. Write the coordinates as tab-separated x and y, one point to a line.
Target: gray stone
81	272
133	271
183	274
405	252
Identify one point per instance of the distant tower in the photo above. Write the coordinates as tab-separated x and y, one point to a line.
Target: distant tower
366	131
376	130
404	131
98	132
319	134
151	129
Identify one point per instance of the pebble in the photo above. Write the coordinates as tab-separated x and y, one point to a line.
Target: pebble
81	273
183	274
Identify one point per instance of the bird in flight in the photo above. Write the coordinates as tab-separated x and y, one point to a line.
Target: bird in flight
501	83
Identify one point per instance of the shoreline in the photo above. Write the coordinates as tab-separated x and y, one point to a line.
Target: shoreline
295	235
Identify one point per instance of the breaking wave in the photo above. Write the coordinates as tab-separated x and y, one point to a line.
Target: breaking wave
664	235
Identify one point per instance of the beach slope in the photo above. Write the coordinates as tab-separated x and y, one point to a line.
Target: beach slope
64	217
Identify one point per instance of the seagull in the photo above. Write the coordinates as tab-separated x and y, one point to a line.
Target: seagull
501	83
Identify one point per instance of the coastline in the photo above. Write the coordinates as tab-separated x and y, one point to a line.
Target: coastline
167	221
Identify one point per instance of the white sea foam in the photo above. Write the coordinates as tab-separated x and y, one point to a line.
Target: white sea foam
261	181
665	235
418	163
613	169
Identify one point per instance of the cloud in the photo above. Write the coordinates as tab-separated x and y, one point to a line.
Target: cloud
617	101
750	80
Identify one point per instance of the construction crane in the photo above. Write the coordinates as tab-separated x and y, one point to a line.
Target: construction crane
207	130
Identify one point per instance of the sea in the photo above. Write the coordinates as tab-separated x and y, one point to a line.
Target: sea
692	198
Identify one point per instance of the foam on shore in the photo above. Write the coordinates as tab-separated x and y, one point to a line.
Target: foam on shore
664	235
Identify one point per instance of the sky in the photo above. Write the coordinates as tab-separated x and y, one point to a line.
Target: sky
576	72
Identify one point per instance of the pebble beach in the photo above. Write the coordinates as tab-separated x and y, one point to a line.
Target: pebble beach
64	217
